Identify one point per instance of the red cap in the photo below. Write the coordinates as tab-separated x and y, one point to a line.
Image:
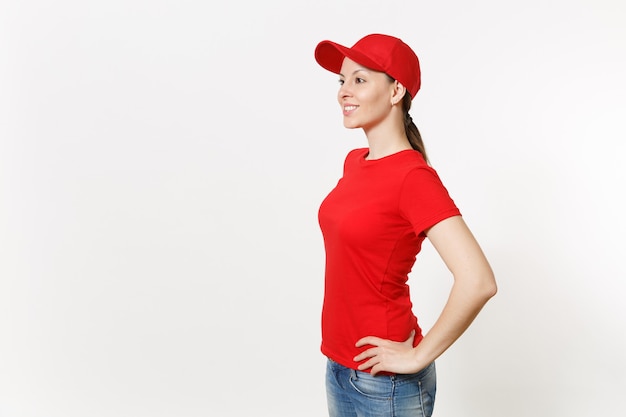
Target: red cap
378	52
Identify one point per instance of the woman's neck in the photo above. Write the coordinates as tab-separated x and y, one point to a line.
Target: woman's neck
386	141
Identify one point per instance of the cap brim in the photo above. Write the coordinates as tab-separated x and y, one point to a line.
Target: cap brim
330	56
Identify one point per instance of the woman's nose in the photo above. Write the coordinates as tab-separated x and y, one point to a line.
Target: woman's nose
344	91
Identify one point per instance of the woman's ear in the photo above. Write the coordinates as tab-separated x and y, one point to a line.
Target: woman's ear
397	92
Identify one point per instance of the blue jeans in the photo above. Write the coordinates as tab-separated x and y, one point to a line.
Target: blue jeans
353	393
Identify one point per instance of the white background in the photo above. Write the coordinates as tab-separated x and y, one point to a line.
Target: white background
161	166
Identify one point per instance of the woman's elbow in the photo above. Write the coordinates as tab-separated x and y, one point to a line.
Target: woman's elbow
488	286
479	286
477	291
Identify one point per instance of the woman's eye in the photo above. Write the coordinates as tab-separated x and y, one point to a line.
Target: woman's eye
360	80
340	82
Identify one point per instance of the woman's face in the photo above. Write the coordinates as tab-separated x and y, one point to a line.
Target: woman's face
364	96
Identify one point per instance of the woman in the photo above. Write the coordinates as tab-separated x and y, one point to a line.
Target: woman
374	222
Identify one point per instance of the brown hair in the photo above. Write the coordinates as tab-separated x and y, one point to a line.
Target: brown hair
411	130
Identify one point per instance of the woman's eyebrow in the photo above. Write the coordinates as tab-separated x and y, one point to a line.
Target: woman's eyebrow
355	71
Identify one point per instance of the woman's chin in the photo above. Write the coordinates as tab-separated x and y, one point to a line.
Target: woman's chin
350	125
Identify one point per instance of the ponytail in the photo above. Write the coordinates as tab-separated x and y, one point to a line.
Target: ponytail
411	130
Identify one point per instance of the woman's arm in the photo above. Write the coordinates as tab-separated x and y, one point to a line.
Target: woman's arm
474	284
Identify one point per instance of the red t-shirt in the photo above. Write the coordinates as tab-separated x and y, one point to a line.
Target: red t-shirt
373	225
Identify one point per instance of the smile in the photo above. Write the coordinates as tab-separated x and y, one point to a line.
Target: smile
349	109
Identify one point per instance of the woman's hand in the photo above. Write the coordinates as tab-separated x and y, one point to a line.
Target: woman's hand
387	355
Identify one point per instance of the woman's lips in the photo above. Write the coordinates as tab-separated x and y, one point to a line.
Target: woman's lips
349	109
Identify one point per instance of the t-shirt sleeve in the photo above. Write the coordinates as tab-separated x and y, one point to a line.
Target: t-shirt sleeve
424	201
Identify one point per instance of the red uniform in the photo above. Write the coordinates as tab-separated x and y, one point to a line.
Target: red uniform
373	225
